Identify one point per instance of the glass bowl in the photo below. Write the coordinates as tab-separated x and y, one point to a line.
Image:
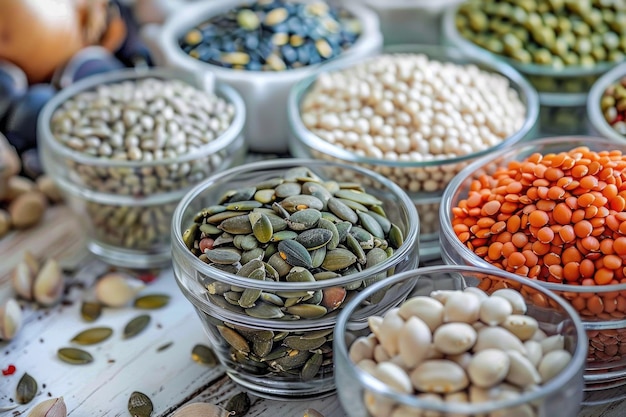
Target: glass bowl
601	307
562	92
287	322
126	206
412	176
258	88
363	395
597	121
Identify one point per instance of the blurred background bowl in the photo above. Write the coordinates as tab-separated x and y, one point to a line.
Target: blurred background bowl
559	396
598	123
411	175
601	307
266	125
126	205
255	357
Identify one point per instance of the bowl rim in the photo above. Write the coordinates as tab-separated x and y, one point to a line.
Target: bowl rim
452	34
596	92
194	14
226	138
307	138
449	239
372	384
411	241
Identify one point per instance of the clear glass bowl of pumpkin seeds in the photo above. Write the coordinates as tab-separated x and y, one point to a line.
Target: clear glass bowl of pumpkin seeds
269	252
562	48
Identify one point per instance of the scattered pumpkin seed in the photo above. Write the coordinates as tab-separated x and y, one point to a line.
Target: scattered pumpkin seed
311	367
238	404
204	355
26	389
164	346
92	336
152	301
310	412
74	356
90	310
234	339
139	405
136	326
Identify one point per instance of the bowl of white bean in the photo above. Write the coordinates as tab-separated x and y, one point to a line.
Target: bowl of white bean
124	147
461	346
416	114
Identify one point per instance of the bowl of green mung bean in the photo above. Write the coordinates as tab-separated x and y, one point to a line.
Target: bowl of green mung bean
270	252
561	47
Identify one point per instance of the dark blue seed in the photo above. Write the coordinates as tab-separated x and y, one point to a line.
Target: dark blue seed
303	55
289	54
251	41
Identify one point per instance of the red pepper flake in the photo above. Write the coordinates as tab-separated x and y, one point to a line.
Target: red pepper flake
9	371
147	277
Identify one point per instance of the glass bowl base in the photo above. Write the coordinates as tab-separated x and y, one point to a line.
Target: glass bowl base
272	390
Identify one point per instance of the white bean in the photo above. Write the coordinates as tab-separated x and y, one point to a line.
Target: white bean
461	306
454	338
495	310
428	309
488	367
414	341
439	376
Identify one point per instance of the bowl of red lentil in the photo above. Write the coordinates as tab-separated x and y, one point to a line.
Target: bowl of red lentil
606	106
416	114
552	210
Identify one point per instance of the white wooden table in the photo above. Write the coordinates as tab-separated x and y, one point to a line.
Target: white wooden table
102	388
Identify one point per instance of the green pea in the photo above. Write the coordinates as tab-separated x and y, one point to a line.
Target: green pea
522	55
542	56
478	21
581	28
587	61
611	40
599	54
583	46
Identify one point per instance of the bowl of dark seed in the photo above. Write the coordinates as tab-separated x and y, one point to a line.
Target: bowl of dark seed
269	253
125	146
562	47
416	114
262	48
606	106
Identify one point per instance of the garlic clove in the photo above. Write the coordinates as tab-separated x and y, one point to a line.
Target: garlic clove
22	280
48	286
201	410
10	319
53	407
116	290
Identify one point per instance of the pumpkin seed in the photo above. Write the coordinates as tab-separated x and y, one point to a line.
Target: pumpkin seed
217	287
248	268
353	245
250	255
353	205
209	229
272	299
310	412
299	274
338	259
262	347
139	405
90	310
234	339
245	242
265	196
358	196
92	336
396	237
343	228
293	359
277	262
189	235
278	223
341	210
223	239
317	333
164	346
242	194
371	224
311	367
243	205
204	355
314	238
284	235
249	297
307	311
324	275
74	356
317	190
328	225
288	189
218	218
299	343
26	389
238	404
318	256
223	256
152	301
208	211
265	311
294	253
304	219
270	183
136	326
261	227
300	202
279	352
237	225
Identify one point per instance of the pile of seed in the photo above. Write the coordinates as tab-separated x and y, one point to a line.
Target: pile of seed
613	105
547	32
458	347
409	108
272	35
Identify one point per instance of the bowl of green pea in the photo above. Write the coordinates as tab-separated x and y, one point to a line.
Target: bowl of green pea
562	47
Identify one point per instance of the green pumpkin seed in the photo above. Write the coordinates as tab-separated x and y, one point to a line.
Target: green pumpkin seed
324	275
252	255
223	239
279	352
396	238
284	235
243	205
209	229
261	227
92	336
338	259
164	346
139	405
301	202
317	333
245	242
278	223
242	194
208	211
331	217
353	205
316	298
296	173
271	272
375	257
358	196
310	412
299	274
151	301
189	235
262	347
237	225
238	404
136	326
265	311
382	220
26	389
314	238
294	359
220	301
272	299
317	190
234	339
204	355
270	183
353	245
233	297
217	287
90	310
371	224
307	311
328	225
288	189
277	262
341	210
294	253
304	219
343	228
218	218
318	256
265	196
280	210
311	367
299	343
223	256
292	294
249	297
249	267
74	356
